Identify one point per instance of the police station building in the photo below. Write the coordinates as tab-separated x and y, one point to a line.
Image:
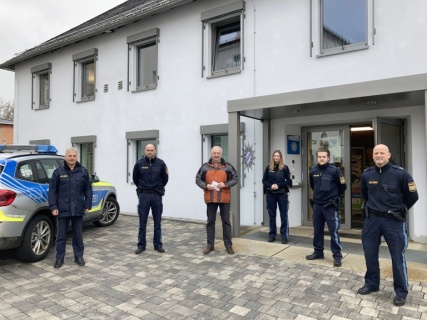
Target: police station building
249	76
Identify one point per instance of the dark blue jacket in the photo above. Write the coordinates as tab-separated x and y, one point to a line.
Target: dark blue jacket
70	191
280	177
150	174
327	183
389	188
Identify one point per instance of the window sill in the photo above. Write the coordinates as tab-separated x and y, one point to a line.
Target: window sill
86	99
145	88
223	73
41	107
340	50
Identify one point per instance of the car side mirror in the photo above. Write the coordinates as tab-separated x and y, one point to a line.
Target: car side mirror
94	178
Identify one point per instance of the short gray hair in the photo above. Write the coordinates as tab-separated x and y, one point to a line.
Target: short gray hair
71	149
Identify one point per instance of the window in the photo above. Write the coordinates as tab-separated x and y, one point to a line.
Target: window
216	135
223	40
86	147
41	86
86	157
88	79
136	142
49	165
142	60
85	75
344	25
24	171
221	141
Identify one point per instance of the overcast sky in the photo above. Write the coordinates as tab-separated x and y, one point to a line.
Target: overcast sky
27	23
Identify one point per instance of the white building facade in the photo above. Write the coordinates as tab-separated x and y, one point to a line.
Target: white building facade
251	76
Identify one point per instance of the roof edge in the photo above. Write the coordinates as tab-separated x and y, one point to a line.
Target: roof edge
115	22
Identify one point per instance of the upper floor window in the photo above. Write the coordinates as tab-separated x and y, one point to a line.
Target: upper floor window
142	60
344	25
85	75
222	39
41	86
227	53
88	79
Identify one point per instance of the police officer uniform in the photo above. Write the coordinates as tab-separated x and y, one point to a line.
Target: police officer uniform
328	184
276	198
150	176
388	191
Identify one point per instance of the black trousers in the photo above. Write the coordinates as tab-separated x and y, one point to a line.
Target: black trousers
224	209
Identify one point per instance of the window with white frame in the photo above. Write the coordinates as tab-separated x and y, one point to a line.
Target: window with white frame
41	86
136	142
86	147
85	75
343	26
223	39
142	60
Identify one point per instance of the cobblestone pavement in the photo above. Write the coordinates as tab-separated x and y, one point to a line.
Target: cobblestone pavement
184	284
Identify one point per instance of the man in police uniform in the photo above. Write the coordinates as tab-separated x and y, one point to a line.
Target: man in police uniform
389	191
328	185
150	175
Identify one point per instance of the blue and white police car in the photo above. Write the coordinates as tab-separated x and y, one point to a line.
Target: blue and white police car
26	224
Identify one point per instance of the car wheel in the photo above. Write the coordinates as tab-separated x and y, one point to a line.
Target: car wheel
110	213
37	239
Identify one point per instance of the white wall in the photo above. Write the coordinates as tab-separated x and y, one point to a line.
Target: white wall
277	60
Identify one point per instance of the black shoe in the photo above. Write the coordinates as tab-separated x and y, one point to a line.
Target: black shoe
139	250
337	262
366	290
58	264
271	239
159	249
399	301
315	256
284	241
79	261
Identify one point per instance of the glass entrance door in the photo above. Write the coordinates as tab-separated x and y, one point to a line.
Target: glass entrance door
336	140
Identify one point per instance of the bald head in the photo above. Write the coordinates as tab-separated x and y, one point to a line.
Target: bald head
150	151
381	155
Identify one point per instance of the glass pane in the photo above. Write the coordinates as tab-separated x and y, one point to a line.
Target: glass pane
221	141
390	136
49	165
332	140
344	22
88	79
44	90
140	147
227	47
86	157
147	64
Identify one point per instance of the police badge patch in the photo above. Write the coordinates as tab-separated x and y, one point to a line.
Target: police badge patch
342	180
412	187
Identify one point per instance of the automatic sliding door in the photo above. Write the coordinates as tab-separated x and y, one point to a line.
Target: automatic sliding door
336	140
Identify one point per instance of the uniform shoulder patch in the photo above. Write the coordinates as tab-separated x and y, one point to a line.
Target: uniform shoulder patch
412	187
342	180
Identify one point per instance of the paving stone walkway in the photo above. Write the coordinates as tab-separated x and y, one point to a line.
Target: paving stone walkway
184	284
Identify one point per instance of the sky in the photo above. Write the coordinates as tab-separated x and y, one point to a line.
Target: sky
25	24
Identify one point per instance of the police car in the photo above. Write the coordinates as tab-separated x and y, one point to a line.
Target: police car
26	224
